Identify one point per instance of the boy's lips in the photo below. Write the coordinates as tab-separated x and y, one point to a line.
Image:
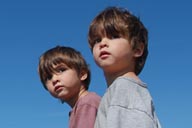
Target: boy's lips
57	88
104	54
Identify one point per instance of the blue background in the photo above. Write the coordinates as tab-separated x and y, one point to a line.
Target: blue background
30	27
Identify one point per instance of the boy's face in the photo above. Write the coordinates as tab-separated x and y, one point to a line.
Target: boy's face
64	84
114	55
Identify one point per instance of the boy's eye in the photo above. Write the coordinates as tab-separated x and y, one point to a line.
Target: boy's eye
49	77
60	70
115	36
97	40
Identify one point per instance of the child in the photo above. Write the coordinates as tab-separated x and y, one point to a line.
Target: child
65	74
118	41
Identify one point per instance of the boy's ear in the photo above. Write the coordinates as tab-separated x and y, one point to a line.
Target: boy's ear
83	75
139	50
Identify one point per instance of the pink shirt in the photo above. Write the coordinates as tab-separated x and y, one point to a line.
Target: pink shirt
84	112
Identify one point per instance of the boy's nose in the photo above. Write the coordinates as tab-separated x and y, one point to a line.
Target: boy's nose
55	79
104	43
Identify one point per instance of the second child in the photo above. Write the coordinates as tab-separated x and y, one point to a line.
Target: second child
65	74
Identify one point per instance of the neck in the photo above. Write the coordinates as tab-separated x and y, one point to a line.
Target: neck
110	77
74	100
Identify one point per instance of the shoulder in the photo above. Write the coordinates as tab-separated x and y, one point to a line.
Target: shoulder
126	84
91	99
91	96
125	91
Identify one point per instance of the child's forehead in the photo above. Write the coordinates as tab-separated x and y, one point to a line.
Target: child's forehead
98	30
107	27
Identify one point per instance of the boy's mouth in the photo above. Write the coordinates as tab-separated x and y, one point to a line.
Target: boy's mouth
58	88
104	54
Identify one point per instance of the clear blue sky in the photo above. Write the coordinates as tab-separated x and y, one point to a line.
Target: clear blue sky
29	27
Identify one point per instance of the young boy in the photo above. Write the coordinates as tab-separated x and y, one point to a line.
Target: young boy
118	41
65	74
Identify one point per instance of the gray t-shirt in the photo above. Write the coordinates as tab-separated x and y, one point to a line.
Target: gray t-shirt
126	104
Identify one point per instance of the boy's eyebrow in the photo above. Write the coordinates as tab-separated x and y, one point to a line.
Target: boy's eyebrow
60	65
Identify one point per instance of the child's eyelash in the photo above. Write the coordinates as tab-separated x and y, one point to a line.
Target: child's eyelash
48	77
60	69
97	40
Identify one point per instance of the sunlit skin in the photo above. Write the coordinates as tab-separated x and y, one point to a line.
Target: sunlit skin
66	84
116	57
